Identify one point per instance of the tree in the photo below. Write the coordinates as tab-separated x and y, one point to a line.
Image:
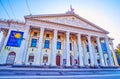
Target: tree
118	53
118	50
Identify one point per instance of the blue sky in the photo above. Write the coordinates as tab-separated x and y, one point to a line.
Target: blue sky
104	13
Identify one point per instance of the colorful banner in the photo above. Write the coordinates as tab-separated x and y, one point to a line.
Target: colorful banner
15	39
104	47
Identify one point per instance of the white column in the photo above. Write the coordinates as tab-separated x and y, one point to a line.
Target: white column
114	55
1	39
80	51
54	49
90	51
67	49
4	55
39	50
85	54
95	55
102	63
75	52
23	48
109	52
64	54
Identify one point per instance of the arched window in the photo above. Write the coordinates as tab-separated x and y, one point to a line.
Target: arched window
45	58
11	58
31	57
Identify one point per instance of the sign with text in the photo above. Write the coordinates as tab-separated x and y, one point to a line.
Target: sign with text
15	39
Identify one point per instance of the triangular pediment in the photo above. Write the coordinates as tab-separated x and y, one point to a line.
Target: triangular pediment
71	20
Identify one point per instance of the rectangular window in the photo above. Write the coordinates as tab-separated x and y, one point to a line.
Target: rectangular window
58	45
70	46
34	43
47	44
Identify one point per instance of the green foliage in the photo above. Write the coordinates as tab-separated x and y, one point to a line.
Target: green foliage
118	50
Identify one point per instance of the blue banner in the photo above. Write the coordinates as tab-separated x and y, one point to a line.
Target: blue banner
104	47
15	39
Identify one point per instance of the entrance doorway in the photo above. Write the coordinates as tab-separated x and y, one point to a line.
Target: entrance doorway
58	60
11	58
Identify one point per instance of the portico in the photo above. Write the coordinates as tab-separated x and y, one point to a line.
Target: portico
57	40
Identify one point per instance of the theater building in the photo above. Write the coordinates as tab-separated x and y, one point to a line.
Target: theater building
55	40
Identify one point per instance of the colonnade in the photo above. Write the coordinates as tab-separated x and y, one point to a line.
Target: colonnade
82	51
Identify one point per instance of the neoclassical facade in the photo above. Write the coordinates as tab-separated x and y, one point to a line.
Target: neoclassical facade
55	40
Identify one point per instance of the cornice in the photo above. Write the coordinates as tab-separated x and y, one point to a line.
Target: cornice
62	15
35	20
11	22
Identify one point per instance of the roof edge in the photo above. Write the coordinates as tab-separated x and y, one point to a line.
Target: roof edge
64	14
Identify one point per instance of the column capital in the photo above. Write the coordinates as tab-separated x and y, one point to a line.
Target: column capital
67	32
97	37
42	28
88	36
106	38
79	34
55	30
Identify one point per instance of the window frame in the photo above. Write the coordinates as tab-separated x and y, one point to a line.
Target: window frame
47	44
31	58
58	45
33	42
